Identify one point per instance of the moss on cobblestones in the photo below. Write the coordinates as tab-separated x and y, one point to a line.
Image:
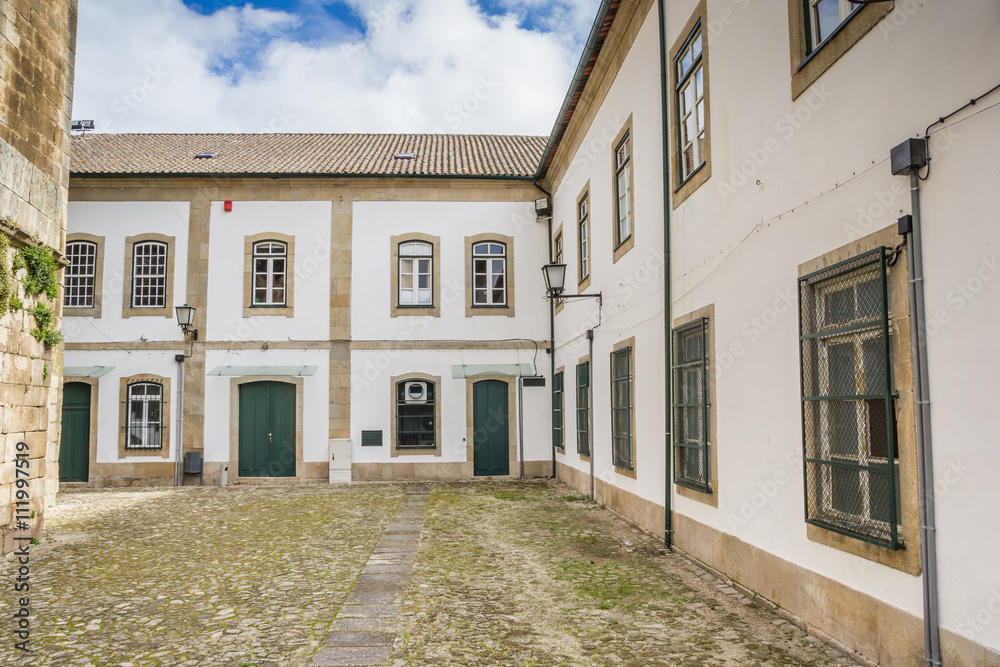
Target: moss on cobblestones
197	576
527	574
513	574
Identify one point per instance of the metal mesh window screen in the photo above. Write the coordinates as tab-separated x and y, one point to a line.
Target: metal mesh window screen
690	406
149	275
621	408
79	276
270	268
415	415
848	417
583	408
557	410
144	415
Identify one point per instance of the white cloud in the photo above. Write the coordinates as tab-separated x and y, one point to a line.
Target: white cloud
420	66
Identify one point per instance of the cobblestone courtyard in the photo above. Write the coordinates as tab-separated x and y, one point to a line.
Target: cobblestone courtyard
504	574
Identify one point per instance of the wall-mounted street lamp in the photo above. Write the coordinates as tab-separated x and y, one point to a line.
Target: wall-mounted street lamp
555	284
185	320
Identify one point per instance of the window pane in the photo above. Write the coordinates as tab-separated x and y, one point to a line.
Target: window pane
424	296
696	45
406	281
481	280
846	490
406	298
480	266
424	282
841	368
498	296
869	299
480	297
699	83
498	265
827	14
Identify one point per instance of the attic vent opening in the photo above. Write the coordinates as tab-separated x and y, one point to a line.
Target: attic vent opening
404	156
206	156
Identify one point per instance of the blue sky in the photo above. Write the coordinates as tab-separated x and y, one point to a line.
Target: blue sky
467	66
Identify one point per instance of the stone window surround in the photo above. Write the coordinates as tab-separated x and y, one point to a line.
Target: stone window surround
397	310
167	446
470	431
502	311
908	558
393	382
806	68
583	282
234	426
711	498
619	249
97	308
250	310
168	305
621	345
94	421
697	178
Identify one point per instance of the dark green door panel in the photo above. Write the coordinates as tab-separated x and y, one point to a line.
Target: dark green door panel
267	430
490	428
74	448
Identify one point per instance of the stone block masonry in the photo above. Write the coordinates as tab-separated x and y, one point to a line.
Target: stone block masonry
37	43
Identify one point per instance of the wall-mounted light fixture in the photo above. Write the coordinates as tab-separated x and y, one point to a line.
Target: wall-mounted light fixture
555	284
185	320
543	208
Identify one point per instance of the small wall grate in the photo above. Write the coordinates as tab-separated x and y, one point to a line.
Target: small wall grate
371	438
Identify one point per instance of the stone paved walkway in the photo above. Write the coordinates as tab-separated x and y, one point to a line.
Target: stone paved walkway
497	574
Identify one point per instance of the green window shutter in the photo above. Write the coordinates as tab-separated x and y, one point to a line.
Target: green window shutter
621	408
691	438
848	417
557	410
583	408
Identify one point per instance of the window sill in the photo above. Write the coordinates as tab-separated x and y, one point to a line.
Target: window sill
268	311
623	247
626	472
489	311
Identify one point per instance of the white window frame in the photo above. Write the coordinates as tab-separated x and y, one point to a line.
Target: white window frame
583	229
80	277
623	190
863	456
691	83
491	275
150	280
145	424
269	273
817	38
416	252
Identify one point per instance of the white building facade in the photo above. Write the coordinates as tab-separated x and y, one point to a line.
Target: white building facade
789	372
336	333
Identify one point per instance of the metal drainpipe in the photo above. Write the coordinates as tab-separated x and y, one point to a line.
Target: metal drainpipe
520	421
667	303
178	474
925	461
552	328
590	409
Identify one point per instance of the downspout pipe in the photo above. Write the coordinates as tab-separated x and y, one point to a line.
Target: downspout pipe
667	300
552	329
178	447
925	460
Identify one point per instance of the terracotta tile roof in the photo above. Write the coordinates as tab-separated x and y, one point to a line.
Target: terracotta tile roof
307	154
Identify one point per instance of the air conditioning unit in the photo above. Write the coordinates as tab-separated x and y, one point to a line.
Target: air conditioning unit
415	392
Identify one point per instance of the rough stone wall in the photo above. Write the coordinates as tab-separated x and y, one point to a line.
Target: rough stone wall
37	44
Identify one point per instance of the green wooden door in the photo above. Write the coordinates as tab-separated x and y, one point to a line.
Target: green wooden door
74	448
490	428
267	429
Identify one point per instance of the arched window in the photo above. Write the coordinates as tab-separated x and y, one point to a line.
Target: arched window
489	271
144	416
270	270
416	274
149	274
80	276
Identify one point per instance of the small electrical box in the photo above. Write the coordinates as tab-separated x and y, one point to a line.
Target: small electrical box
905	225
908	156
